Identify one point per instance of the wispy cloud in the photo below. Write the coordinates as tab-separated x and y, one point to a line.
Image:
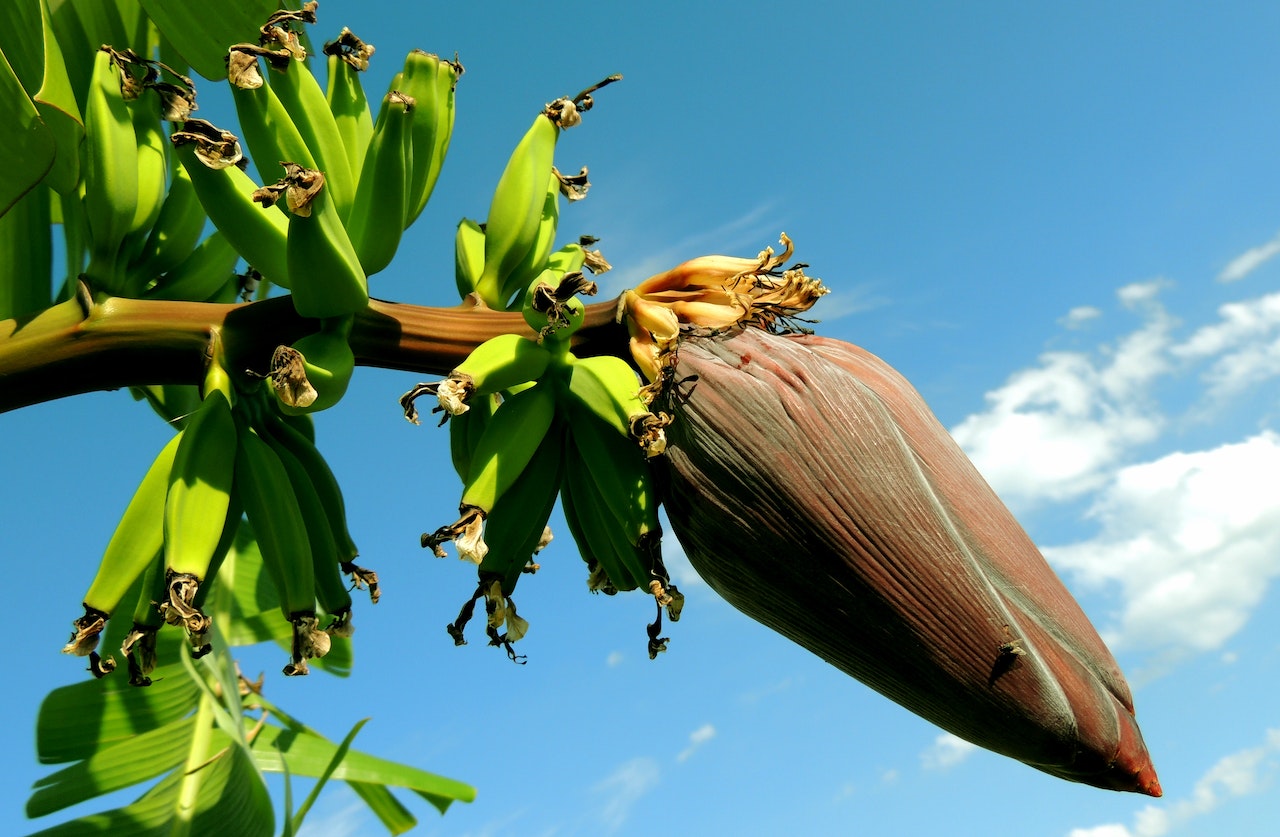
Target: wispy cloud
1191	543
1250	260
1239	774
1057	430
946	752
697	738
623	788
1079	316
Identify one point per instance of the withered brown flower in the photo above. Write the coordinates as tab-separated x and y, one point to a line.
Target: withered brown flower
865	534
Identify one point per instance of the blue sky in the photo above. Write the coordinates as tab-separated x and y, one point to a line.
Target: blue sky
1059	223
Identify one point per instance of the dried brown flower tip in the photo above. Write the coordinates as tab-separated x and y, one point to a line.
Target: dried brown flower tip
350	49
214	147
362	577
139	649
288	377
85	632
467	533
573	186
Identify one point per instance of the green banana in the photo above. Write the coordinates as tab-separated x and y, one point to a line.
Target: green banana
430	80
608	388
202	275
304	101
268	128
325	276
465	430
174	235
591	526
516	528
497	364
377	216
322	478
346	97
510	439
110	167
534	262
468	256
152	172
258	233
197	506
313	374
326	553
272	506
516	208
137	539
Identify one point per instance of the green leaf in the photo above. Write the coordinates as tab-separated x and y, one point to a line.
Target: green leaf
339	754
129	762
385	806
232	800
309	754
26	139
79	720
202	34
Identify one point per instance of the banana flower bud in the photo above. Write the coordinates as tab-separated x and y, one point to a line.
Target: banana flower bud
865	535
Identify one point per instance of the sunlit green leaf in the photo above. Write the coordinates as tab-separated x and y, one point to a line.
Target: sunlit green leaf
79	720
309	754
26	256
129	762
338	755
232	800
25	138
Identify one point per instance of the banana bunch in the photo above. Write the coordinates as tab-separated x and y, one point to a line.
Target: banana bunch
378	174
498	260
530	422
236	456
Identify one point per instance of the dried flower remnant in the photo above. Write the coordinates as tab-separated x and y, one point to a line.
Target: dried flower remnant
869	538
350	49
214	147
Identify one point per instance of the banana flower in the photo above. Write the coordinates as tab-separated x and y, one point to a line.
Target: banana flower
865	534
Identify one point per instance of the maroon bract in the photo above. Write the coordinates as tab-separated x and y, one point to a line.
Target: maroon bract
864	534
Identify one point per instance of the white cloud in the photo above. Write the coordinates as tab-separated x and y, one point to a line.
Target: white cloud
1249	261
946	752
1080	315
1189	540
1056	431
614	659
1239	774
697	738
623	788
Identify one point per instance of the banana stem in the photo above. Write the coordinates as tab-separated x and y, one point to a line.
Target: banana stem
87	344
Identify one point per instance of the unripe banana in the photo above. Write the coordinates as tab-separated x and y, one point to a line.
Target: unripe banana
258	233
591	526
350	109
608	388
516	528
111	167
497	364
175	233
139	645
431	81
509	442
468	256
534	262
313	374
303	99
269	131
262	483
196	510
202	275
516	208
138	538
326	557
466	429
325	276
377	216
510	439
152	171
